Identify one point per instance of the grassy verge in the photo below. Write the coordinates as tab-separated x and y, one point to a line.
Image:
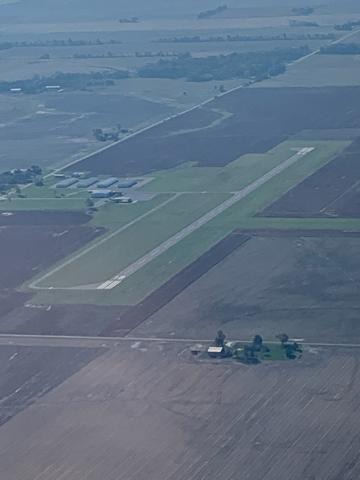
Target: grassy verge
111	256
239	173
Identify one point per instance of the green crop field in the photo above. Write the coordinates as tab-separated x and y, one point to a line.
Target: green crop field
181	196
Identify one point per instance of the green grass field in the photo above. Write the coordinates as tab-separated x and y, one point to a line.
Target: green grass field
121	249
175	210
246	169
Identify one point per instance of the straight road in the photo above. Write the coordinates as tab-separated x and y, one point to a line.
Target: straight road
113	342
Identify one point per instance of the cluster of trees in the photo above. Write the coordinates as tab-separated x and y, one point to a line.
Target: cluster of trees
347	26
106	135
249	38
72	81
126	55
129	20
302	11
13	178
109	134
341	49
249	353
303	23
292	349
212	13
59	43
254	65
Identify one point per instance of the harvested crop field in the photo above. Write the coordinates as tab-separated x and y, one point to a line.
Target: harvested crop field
334	190
25	318
27	249
28	373
148	411
253	121
24	251
136	315
304	283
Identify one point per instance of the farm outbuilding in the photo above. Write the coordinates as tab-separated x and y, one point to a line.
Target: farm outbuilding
68	182
107	183
101	193
87	182
126	183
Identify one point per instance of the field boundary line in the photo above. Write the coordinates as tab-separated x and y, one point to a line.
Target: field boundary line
339	197
107	342
34	284
203	220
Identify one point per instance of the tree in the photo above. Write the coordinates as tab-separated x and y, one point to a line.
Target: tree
39	182
35	169
249	354
283	337
257	342
89	203
220	339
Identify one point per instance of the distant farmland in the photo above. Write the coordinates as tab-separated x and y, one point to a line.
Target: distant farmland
246	121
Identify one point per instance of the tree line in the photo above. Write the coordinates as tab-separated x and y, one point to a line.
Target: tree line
248	38
69	42
302	11
341	49
125	55
303	23
212	13
254	65
347	26
13	178
73	81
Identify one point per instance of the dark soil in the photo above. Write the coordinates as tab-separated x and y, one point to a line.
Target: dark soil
43	218
81	320
261	119
24	251
333	190
28	373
